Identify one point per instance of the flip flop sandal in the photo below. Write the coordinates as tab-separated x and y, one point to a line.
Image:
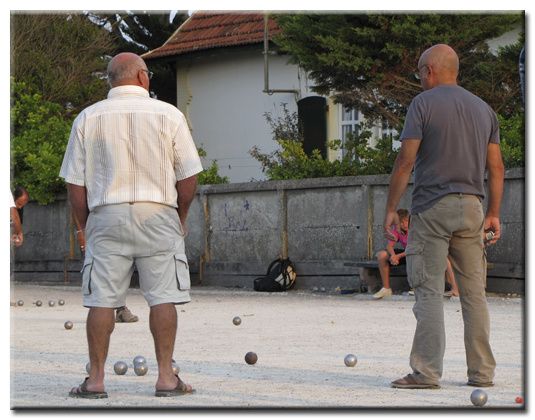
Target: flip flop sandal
82	392
180	389
408	382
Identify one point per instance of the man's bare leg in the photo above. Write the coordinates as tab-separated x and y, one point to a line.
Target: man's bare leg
163	325
99	326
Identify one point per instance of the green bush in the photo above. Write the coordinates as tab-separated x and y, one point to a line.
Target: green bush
512	135
39	136
210	175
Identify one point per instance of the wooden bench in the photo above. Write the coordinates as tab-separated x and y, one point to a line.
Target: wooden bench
371	278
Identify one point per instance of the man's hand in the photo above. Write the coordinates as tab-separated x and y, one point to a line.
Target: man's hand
391	219
394	259
17	239
80	237
492	224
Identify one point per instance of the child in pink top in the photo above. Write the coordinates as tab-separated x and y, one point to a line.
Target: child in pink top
396	256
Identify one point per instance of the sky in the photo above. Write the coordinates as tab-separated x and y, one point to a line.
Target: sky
377	5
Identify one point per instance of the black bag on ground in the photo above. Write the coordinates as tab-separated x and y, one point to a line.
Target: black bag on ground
280	277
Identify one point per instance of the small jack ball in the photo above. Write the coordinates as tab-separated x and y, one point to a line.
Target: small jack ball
68	325
251	358
479	397
236	320
519	400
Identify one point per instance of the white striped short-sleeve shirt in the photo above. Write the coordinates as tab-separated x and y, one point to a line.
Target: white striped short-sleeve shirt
129	148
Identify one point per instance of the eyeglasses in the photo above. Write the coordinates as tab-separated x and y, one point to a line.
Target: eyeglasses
149	73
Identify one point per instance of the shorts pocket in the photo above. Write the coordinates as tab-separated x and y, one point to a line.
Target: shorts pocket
182	272
86	276
106	234
415	264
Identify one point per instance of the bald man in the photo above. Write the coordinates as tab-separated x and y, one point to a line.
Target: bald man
130	168
450	137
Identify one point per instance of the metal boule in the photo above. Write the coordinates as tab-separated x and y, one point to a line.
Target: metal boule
120	367
61	302
478	397
236	320
141	369
139	360
251	358
20	302
38	303
350	360
68	325
176	369
88	367
51	303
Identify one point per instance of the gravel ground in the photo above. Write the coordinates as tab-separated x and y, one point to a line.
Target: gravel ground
301	339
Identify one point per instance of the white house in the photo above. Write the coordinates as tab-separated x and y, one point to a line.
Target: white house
224	88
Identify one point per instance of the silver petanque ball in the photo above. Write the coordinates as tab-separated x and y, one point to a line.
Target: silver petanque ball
20	302
51	303
350	360
120	367
88	367
140	360
61	302
38	303
141	369
236	320
176	369
478	397
68	325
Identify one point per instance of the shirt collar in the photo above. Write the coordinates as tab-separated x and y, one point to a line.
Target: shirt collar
127	90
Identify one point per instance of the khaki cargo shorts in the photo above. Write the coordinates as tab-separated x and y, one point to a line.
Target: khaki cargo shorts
147	235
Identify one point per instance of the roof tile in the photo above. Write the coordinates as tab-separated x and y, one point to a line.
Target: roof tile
204	31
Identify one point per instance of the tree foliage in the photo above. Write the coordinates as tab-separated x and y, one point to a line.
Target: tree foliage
140	32
368	61
61	56
289	160
39	137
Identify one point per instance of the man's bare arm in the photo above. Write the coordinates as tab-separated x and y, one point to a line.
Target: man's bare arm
399	180
496	172
78	200
186	189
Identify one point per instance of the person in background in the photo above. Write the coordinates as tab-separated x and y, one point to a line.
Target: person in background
19	199
392	256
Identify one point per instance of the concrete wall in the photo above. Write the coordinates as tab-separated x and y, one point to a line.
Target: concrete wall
324	225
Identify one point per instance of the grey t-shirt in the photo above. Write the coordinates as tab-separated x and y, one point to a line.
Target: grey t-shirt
455	128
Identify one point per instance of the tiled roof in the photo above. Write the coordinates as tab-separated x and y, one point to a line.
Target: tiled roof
204	31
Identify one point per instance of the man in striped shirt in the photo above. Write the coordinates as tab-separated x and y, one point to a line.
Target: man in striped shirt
130	168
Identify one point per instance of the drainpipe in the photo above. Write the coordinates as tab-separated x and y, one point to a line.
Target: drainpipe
266	65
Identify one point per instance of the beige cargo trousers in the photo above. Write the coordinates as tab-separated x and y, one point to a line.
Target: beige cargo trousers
453	226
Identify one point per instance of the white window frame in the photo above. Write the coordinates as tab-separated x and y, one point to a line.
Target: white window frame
356	119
